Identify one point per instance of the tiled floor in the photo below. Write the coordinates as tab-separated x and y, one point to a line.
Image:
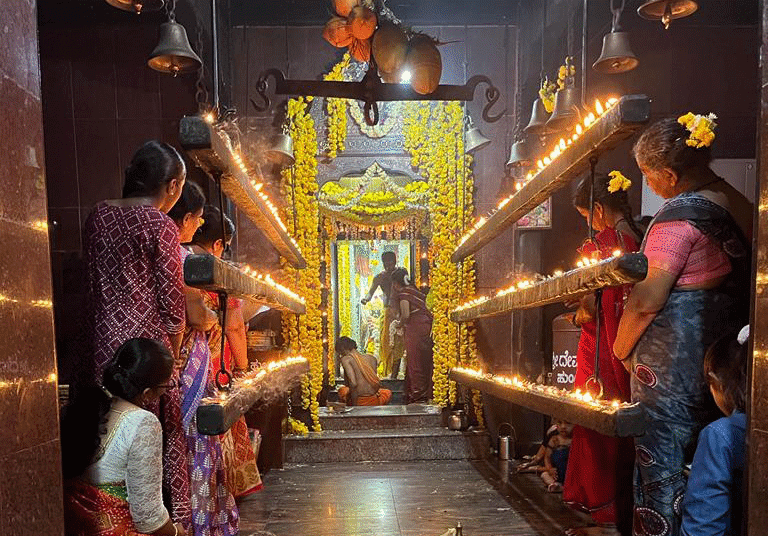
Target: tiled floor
401	499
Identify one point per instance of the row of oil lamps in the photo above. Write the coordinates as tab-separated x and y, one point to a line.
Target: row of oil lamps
560	148
577	396
522	284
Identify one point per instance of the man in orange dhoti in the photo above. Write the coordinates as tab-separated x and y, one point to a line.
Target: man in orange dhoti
362	384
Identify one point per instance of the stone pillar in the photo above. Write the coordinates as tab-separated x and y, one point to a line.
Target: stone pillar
30	460
757	411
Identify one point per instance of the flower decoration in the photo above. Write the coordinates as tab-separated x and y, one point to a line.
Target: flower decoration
337	111
547	94
565	71
701	127
618	182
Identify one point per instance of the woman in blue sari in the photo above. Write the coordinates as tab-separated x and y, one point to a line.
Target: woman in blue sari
214	512
697	289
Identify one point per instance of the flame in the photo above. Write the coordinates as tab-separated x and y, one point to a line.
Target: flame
599	108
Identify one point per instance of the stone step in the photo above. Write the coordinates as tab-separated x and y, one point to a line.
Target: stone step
381	417
385	445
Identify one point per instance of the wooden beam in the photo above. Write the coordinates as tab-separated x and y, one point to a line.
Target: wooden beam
210	273
629	268
211	152
616	420
619	123
216	415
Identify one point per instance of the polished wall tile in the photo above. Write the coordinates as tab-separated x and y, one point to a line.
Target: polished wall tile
31	493
61	165
19	59
133	133
98	163
21	155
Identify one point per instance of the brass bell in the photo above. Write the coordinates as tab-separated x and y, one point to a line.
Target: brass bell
173	54
667	10
520	154
539	117
617	56
137	6
473	138
566	112
281	151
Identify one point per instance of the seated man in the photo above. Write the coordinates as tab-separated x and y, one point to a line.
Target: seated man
362	384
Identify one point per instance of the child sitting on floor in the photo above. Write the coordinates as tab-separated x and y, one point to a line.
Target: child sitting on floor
712	503
556	457
535	463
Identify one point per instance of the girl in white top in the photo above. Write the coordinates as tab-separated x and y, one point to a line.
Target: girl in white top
112	448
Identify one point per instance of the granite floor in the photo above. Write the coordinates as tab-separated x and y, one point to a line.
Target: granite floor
402	499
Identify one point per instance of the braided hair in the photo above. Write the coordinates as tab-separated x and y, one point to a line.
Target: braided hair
615	201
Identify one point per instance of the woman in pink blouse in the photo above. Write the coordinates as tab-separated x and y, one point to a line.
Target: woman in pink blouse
135	288
697	289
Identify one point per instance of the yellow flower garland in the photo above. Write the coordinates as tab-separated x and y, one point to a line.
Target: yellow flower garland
345	314
618	182
433	135
306	334
337	111
330	326
701	127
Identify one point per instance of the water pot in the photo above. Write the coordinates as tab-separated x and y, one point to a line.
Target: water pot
506	441
458	420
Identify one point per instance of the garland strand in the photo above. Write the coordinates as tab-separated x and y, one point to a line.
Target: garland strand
300	183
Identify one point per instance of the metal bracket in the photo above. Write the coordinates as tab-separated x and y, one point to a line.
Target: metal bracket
372	90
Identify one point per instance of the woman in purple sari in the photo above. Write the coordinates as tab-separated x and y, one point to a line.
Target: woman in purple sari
214	512
416	319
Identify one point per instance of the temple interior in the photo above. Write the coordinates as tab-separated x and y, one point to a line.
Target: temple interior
384	267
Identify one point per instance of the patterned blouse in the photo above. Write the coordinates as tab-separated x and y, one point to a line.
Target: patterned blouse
134	277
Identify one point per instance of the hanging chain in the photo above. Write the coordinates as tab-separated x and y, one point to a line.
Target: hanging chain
616	11
201	92
171	10
598	293
542	74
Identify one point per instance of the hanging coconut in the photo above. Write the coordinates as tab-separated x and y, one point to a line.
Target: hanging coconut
360	49
343	7
389	48
362	22
337	33
425	64
389	78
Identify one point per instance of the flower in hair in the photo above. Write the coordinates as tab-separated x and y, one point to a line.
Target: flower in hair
701	127
618	182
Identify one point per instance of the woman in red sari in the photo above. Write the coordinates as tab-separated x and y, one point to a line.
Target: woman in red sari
243	476
112	448
416	319
599	477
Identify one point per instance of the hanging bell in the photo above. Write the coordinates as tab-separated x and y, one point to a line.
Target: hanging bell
539	117
137	6
617	56
667	10
173	54
520	154
473	138
281	151
566	111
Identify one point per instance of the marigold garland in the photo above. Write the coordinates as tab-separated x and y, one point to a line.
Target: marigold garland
433	135
701	127
618	182
328	316
300	185
337	111
345	314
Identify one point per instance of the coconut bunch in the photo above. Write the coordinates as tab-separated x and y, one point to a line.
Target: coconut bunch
352	27
394	48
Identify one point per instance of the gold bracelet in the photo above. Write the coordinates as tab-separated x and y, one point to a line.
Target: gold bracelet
175	530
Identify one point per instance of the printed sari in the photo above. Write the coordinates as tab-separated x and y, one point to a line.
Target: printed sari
418	347
599	475
97	510
668	377
243	476
214	512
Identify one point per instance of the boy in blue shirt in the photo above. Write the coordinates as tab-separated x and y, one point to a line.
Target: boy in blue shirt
712	504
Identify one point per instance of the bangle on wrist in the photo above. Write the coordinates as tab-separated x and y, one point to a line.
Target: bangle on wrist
175	530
